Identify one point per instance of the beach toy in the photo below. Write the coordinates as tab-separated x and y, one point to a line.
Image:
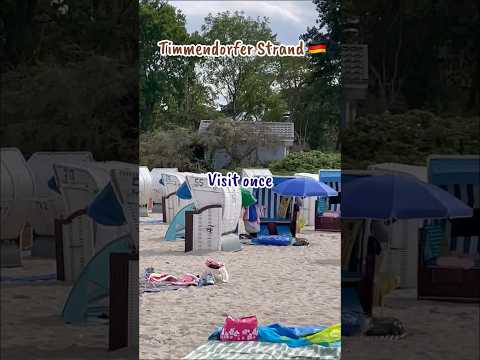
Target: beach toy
241	329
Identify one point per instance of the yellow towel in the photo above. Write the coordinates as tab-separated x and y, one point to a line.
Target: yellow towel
326	336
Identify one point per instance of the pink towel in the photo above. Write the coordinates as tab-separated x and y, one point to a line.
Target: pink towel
184	280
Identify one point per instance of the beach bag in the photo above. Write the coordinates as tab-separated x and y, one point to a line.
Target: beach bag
252	227
217	269
251	219
241	329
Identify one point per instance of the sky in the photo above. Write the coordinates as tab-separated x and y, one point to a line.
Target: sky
288	19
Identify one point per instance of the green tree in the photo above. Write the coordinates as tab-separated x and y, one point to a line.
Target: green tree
63	72
238	140
244	82
171	93
411	45
317	102
172	148
161	77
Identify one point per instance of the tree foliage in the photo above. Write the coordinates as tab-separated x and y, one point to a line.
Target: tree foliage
179	92
172	148
318	114
407	138
422	54
68	77
244	82
306	161
238	140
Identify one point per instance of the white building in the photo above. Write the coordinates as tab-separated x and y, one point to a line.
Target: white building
282	132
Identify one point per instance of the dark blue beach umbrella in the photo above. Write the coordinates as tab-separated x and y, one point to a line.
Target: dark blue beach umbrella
399	197
303	186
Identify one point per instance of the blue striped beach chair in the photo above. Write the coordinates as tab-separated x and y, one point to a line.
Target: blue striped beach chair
459	175
331	177
269	200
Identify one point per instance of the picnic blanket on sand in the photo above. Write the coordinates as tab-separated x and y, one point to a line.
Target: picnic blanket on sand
254	350
155	282
276	341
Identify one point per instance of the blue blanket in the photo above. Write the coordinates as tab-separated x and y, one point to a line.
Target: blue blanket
274	240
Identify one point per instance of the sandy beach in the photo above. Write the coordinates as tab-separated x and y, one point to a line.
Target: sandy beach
290	285
435	330
32	326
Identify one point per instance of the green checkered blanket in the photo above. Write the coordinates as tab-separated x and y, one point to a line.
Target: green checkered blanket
252	350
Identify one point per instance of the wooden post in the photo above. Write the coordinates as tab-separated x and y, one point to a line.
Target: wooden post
119	301
59	255
188	231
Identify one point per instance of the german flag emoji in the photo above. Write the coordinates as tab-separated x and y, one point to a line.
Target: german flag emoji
317	48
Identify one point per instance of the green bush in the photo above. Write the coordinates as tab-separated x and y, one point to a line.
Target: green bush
407	138
306	161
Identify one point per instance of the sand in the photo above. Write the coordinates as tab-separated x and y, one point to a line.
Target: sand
291	285
32	326
435	330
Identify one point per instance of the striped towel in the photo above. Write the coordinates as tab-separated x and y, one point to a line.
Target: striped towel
253	350
463	245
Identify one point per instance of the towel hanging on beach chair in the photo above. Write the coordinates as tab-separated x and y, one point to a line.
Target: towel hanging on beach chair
106	209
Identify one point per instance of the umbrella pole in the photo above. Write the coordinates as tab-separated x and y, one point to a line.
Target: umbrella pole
294	217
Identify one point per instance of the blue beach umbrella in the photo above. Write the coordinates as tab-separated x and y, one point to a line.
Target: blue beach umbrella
303	186
399	197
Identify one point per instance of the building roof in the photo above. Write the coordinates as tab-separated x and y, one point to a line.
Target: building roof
284	131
